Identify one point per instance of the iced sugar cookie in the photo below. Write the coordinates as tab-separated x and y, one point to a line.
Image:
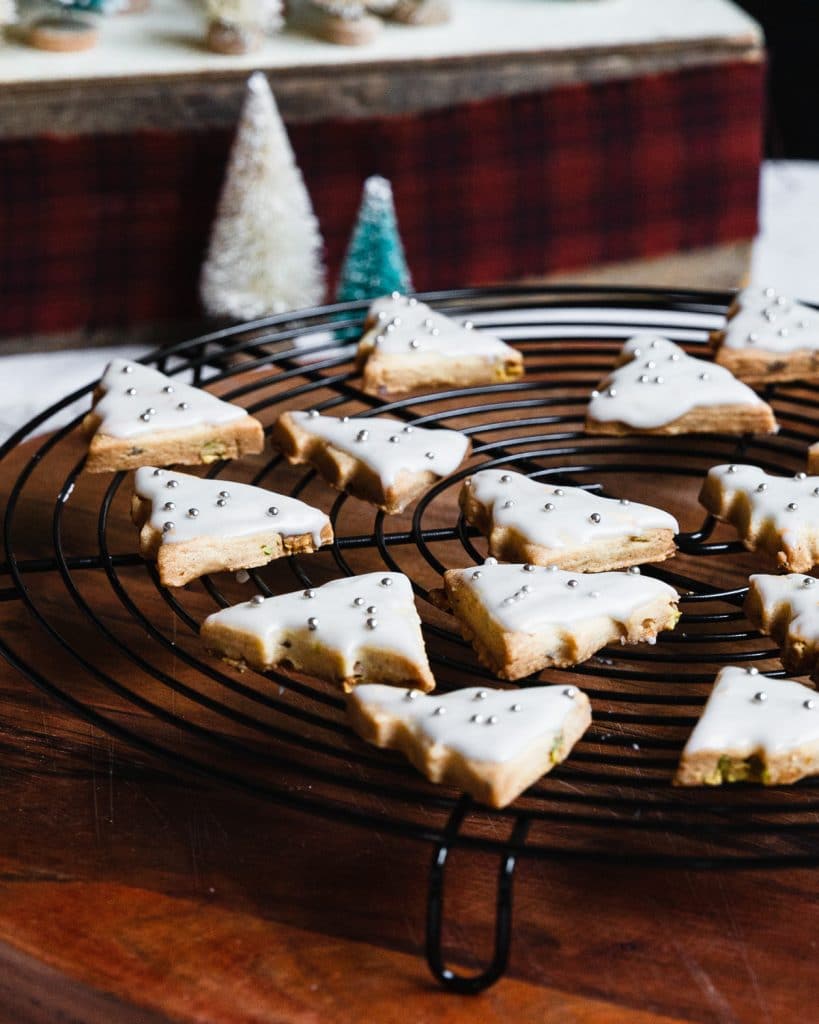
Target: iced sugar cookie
354	630
522	618
377	459
409	347
191	526
527	521
776	514
492	744
140	417
753	729
659	389
787	608
769	337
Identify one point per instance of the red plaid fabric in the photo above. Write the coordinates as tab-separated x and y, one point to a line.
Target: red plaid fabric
111	230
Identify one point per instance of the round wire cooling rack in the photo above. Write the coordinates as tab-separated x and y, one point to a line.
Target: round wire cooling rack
115	647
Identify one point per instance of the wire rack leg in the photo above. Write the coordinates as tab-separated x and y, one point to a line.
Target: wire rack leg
474	983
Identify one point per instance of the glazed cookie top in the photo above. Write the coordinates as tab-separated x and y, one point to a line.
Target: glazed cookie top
480	724
748	712
660	382
186	507
530	598
789	503
798	592
767	320
407	327
561	517
387	446
140	400
376	610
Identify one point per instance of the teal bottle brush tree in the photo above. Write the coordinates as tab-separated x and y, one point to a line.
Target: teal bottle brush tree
375	263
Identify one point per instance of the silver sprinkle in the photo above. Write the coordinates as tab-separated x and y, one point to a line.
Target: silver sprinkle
396	321
168	389
642	379
476	575
371	609
127	369
810	704
481	695
345	419
634	570
802	323
372	623
506	479
752	338
752	670
130	391
158	472
145	417
440	710
551	568
395	296
516	707
705	376
362	435
816	492
386	581
654	344
407	430
570	692
548	507
427	323
595	393
528	568
312	413
732	469
572	584
358	601
781	300
792	506
224	494
394	439
382	316
167	527
636	352
761	488
492	720
220	503
659	380
808	581
490	561
651	365
411	695
183	406
256	600
272	511
674	357
309	593
760	696
414	343
429	455
594	517
476	718
435	332
468	325
169	506
782	332
390	328
559	492
172	483
800	476
312	623
525	589
624	501
193	513
508	600
508	503
612	392
769	292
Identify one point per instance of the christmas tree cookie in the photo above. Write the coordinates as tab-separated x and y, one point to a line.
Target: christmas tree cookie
769	337
141	417
376	459
753	729
359	629
787	608
191	526
776	514
522	618
409	347
492	744
527	521
659	389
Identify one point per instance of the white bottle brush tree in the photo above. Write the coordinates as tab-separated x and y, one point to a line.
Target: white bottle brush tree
8	14
265	252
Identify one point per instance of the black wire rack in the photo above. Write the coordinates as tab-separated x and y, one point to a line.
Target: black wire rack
116	648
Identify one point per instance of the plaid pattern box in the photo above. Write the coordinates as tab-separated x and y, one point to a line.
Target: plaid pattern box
111	230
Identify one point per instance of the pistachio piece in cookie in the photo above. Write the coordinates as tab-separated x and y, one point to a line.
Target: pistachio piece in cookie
489	743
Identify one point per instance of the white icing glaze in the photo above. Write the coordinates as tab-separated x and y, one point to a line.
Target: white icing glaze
660	383
121	414
735	721
498	734
406	327
557	599
560	517
369	441
801	597
342	613
224	508
770	321
772	506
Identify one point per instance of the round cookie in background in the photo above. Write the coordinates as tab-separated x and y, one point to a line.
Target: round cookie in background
421	12
233	39
62	34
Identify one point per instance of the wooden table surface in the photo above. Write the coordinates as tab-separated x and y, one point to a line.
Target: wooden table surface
131	893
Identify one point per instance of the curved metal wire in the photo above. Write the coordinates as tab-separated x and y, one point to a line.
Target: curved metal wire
145	678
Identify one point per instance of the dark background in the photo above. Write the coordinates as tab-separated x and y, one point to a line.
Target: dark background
792	31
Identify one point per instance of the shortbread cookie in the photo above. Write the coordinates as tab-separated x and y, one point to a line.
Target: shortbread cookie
753	729
659	389
777	514
377	459
409	347
140	417
522	618
527	521
359	629
769	337
787	608
345	22
192	526
492	744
